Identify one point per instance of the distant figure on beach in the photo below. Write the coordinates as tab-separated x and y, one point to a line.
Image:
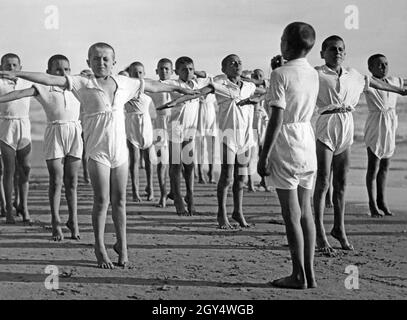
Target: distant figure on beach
288	154
15	140
103	96
139	131
62	143
380	134
339	92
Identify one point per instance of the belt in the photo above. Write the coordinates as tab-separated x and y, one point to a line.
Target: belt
338	110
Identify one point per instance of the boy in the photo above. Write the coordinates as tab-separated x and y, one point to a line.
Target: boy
260	120
339	92
235	125
380	134
182	129
2	198
288	154
139	131
15	139
206	134
102	97
62	143
164	71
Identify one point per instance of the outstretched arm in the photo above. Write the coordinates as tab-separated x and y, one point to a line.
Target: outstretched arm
38	77
200	74
254	99
381	85
17	94
202	92
156	86
273	129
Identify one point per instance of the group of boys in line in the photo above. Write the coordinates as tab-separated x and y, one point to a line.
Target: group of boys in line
241	112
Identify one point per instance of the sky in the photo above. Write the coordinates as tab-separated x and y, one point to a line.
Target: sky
205	30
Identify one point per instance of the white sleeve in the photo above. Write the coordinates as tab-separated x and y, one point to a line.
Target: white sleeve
275	94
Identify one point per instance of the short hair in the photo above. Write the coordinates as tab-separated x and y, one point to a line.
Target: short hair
182	60
330	39
300	36
56	57
100	45
373	58
135	64
257	71
164	60
10	55
226	59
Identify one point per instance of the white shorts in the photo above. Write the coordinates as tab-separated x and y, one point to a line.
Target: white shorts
105	138
63	138
139	130
15	132
283	178
335	131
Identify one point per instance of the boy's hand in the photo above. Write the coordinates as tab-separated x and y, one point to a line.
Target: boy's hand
263	167
168	105
250	100
187	91
277	61
404	93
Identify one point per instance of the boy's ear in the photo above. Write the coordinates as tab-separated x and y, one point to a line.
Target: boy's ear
322	54
47	71
176	72
87	62
156	71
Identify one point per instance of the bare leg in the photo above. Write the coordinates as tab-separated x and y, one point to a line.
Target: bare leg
162	168
224	182
56	172
71	169
118	182
134	156
291	211
328	199
239	177
24	167
250	182
17	197
211	151
371	174
340	170
100	180
175	177
308	230
324	158
381	186
188	165
9	161
149	172
141	159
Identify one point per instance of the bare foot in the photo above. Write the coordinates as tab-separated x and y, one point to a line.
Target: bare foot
57	234
150	195
264	186
191	206
201	180
224	223
329	203
180	208
103	259
25	215
162	203
341	237
251	188
136	197
289	282
385	209
324	247
74	230
240	219
374	211
311	283
123	260
10	219
211	179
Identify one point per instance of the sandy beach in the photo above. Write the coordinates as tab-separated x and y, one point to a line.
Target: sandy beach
190	258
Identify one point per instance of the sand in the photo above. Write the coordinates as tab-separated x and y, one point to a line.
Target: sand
189	258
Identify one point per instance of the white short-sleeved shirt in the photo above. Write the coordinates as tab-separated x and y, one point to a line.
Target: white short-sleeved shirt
58	104
235	122
381	122
294	88
339	91
18	108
